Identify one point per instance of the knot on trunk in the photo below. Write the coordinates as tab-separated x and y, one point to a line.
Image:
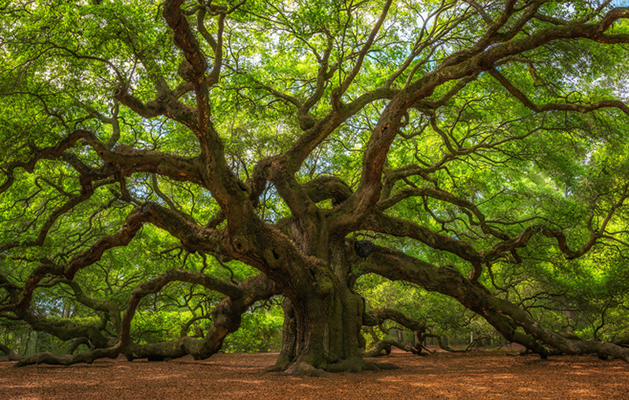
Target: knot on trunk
363	248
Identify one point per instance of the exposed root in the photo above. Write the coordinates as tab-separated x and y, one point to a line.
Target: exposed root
354	364
304	369
280	365
388	366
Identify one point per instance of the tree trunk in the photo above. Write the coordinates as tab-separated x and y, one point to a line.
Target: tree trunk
322	332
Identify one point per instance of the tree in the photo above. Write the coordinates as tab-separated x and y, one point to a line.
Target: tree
441	143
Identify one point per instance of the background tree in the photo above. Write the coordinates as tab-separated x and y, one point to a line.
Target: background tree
471	148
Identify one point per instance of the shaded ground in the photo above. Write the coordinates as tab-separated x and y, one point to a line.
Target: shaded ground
476	375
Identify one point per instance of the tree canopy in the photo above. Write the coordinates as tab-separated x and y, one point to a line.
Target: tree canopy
178	164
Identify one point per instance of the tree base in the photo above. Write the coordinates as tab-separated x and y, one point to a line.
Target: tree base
354	364
305	369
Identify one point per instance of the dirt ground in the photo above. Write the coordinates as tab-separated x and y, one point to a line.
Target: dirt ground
476	375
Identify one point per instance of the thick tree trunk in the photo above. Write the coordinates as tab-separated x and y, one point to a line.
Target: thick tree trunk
323	333
289	338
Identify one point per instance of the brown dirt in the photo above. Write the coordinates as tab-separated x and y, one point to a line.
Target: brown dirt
476	375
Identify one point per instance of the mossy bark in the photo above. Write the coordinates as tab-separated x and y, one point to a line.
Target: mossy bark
322	327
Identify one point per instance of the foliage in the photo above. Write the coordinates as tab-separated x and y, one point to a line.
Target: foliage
168	167
259	332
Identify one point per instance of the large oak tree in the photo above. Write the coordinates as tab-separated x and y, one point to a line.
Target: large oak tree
431	142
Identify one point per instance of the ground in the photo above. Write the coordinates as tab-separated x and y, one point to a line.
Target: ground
475	375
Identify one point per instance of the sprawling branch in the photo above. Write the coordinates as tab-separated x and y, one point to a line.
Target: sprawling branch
185	40
108	306
445	196
379	222
361	55
9	352
225	319
94	253
166	104
582	108
377	317
193	237
37	154
122	158
459	65
86	192
502	314
67	330
562	242
326	188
